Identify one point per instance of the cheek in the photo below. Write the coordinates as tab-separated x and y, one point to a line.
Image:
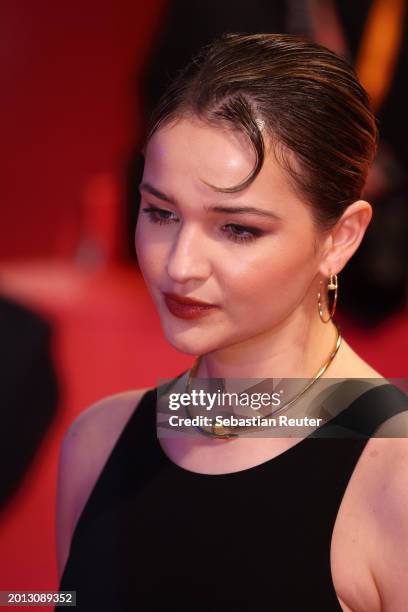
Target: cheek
274	276
140	245
150	253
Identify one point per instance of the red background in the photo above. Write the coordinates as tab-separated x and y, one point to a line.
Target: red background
70	112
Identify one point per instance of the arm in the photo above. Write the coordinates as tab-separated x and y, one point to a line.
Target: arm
85	449
390	511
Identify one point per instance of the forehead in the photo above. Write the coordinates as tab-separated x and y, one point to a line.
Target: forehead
205	153
182	157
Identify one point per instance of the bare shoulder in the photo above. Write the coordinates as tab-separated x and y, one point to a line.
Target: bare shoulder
395	426
84	451
103	420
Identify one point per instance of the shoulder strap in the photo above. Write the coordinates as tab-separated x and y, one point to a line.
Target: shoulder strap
366	413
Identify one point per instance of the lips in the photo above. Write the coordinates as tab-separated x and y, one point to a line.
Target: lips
187	308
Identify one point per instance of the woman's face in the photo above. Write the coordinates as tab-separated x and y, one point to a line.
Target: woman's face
258	268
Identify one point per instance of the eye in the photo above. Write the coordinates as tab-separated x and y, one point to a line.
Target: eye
240	233
158	215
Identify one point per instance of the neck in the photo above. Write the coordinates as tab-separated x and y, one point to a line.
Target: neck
296	348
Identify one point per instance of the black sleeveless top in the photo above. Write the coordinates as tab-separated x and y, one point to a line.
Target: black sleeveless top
155	537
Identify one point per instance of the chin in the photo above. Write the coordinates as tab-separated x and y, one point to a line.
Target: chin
191	340
185	343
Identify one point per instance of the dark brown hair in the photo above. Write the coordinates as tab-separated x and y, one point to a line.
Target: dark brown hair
308	99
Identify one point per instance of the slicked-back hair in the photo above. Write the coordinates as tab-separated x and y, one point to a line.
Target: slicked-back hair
303	97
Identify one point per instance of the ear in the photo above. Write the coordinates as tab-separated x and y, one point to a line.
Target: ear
345	237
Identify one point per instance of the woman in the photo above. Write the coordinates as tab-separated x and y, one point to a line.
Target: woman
254	166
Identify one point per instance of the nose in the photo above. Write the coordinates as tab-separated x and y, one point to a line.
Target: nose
188	257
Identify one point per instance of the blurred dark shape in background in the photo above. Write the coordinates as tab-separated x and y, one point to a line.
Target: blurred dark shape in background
29	391
373	284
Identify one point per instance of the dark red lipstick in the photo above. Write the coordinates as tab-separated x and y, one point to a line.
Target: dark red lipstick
187	308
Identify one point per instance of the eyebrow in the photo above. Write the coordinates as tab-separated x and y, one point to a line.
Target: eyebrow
218	209
242	210
158	194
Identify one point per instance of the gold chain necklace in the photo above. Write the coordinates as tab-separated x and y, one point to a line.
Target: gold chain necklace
224	432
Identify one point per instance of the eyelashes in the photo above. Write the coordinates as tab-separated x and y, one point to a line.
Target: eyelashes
154	215
240	233
234	231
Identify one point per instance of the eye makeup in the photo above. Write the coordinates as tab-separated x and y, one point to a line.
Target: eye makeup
233	231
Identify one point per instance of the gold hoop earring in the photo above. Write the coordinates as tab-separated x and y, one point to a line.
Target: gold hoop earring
332	286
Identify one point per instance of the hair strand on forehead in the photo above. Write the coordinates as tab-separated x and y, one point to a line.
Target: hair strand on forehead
236	111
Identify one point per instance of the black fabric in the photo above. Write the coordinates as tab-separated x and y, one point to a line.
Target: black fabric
154	536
